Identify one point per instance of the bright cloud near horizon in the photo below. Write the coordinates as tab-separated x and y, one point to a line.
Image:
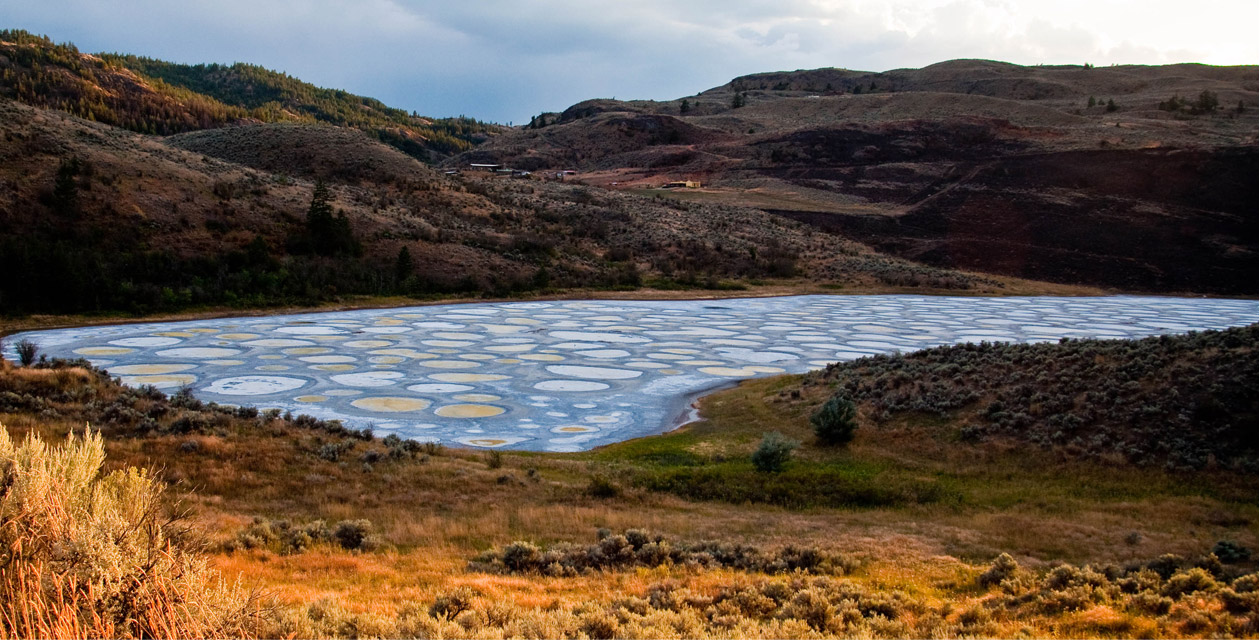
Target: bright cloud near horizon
503	60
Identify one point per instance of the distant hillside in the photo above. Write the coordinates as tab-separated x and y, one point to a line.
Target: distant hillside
96	218
156	97
1138	178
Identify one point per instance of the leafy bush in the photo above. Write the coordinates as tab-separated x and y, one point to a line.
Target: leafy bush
774	452
835	422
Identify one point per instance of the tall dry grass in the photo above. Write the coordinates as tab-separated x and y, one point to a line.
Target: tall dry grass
86	555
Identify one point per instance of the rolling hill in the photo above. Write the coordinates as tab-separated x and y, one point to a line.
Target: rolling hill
1130	177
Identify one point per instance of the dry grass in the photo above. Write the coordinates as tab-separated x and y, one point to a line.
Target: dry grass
437	513
94	556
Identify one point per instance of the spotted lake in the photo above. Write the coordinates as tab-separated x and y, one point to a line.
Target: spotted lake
571	375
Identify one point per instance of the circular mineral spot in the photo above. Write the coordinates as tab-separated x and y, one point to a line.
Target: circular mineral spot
311	398
198	352
467	377
307	351
508	361
160	381
730	372
764	369
386	360
477	397
309	330
388	330
150	369
574	428
368	378
476	356
510	348
599	336
570	385
598	373
254	385
174	334
367	344
447	343
204	330
148	341
277	342
391	405
402	353
541	357
440	388
490	442
237	336
603	353
104	351
449	364
333	367
327	359
469	411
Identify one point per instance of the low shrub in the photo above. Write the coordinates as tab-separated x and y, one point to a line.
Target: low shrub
774	452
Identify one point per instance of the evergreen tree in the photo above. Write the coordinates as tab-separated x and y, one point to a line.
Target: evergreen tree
685	107
403	266
835	422
1091	102
66	188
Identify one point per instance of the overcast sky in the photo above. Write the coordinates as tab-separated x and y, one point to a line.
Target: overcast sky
503	60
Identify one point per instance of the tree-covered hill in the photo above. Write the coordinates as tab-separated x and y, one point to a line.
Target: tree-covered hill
156	97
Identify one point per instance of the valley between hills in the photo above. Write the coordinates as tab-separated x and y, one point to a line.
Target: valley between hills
1078	488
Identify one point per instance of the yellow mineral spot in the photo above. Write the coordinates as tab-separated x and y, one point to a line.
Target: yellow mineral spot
486	442
149	369
477	397
388	322
670	372
469	411
311	398
333	367
204	330
163	381
508	361
387	360
237	336
575	429
103	351
368	344
476	356
271	356
388	404
174	334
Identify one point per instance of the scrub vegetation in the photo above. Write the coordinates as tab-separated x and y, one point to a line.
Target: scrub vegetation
908	530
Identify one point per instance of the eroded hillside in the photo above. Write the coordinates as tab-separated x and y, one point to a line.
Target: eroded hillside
1132	177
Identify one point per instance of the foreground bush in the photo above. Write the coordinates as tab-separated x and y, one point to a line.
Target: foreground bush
90	555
